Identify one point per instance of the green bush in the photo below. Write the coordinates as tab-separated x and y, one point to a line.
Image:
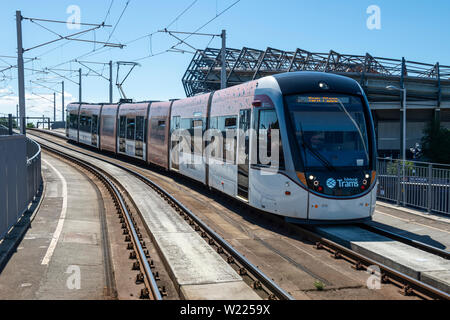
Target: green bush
30	125
392	167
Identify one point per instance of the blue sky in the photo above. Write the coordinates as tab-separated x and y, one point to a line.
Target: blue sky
417	30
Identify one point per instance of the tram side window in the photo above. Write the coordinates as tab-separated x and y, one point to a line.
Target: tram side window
267	122
85	123
131	126
122	125
229	145
213	124
224	124
73	121
175	124
196	141
139	128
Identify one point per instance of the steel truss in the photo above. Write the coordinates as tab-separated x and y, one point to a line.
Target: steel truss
203	73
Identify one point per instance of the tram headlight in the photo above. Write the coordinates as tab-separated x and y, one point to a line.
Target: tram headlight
311	177
367	176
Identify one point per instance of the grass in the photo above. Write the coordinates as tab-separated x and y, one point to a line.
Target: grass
319	285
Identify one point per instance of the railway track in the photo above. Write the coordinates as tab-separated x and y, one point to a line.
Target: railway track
250	273
131	232
408	285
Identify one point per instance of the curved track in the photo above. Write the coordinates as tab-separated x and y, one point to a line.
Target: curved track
251	273
408	285
149	279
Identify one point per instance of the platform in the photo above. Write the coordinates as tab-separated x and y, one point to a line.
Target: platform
194	265
431	229
413	262
60	256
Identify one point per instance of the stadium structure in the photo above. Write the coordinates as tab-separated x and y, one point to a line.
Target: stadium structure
427	85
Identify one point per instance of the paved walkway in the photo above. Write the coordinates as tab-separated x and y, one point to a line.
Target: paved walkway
430	229
61	255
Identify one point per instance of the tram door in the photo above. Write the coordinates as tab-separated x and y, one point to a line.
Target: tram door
243	159
139	139
94	136
175	147
122	130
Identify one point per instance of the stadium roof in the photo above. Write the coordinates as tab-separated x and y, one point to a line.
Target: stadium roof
426	81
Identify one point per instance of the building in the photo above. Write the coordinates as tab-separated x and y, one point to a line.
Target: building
427	85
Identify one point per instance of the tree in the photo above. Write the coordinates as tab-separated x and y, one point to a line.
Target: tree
436	143
30	125
5	122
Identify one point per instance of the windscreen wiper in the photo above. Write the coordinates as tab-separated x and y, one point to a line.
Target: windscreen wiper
356	126
315	153
319	156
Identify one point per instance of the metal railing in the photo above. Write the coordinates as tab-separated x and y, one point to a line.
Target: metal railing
34	176
417	184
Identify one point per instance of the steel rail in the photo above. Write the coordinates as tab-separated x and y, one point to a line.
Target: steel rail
411	242
251	268
407	284
149	278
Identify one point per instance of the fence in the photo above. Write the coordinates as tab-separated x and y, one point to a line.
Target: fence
34	177
417	184
20	177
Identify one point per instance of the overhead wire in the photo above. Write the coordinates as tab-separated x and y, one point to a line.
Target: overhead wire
191	34
120	17
105	49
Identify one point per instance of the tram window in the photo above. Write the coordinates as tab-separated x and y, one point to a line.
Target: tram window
268	121
185	124
82	122
196	141
213	122
212	125
73	121
176	122
230	122
161	123
229	137
85	123
94	124
139	128
131	126
197	123
122	125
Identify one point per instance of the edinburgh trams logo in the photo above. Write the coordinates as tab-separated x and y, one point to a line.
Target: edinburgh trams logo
331	183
